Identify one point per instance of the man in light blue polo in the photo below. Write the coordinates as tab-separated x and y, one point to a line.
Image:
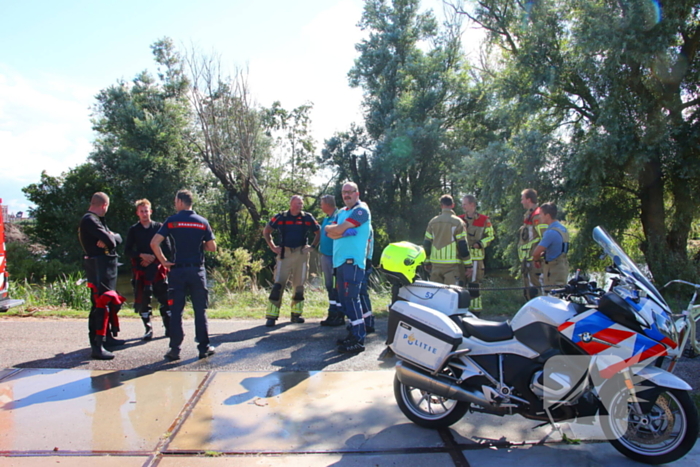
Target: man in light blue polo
349	257
335	315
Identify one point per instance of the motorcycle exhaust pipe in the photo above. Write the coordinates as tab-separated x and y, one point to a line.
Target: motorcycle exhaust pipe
414	378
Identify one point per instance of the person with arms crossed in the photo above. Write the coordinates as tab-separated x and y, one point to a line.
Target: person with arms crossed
349	260
100	264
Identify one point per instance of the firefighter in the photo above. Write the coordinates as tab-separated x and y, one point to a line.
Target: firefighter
446	246
554	247
479	235
100	263
190	236
149	277
292	252
529	236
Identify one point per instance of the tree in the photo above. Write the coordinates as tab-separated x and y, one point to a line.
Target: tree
143	147
408	70
231	140
60	203
612	90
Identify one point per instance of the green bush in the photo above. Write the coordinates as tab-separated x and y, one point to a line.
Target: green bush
235	271
67	292
24	264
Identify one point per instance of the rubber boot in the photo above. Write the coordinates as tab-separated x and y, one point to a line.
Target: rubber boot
148	335
98	351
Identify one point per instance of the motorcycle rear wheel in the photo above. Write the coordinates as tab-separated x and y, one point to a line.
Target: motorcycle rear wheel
665	434
426	409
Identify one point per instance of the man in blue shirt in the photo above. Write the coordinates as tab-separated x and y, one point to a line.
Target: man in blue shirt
349	259
554	247
335	315
190	235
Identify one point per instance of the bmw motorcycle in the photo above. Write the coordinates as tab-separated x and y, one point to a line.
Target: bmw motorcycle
580	354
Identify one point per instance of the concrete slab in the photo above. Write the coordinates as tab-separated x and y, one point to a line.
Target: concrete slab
82	461
299	411
583	455
311	460
78	410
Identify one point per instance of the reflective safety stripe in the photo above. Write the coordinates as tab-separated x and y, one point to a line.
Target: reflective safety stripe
357	322
367	315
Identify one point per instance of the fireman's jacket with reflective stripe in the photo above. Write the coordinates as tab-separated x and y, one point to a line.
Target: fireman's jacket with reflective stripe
446	240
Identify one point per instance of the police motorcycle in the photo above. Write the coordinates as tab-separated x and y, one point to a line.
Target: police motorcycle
579	354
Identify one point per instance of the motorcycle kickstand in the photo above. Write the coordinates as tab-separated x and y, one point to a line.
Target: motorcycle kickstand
550	422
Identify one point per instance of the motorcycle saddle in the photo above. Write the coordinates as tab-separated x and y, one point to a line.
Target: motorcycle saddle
487	331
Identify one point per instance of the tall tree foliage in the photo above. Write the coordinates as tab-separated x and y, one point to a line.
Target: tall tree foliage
610	92
409	71
231	141
142	147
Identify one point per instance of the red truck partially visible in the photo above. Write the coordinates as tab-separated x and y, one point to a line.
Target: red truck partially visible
5	301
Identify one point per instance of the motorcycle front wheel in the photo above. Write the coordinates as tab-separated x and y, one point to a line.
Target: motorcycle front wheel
426	409
665	434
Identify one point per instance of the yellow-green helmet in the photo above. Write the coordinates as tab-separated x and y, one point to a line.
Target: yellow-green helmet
400	260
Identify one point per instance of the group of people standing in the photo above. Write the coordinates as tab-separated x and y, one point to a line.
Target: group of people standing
455	246
167	261
345	241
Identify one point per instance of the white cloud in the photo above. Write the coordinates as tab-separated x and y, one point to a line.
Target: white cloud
314	68
44	125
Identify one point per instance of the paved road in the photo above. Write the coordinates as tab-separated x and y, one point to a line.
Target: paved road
366	432
242	345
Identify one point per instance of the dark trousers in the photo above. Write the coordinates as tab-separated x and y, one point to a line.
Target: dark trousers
349	279
101	274
190	281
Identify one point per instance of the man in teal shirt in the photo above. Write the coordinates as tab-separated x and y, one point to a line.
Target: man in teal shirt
335	315
349	258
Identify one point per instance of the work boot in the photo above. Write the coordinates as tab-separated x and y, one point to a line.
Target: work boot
351	346
148	335
208	352
270	322
296	318
173	354
350	336
98	351
110	342
334	319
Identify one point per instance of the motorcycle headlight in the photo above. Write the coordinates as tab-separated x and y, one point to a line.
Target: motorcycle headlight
666	326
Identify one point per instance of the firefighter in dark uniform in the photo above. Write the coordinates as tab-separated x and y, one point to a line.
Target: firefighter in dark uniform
292	253
190	235
100	263
149	277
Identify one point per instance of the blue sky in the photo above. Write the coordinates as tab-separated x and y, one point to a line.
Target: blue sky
58	54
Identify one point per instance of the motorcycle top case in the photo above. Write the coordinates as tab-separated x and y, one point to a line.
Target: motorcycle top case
421	335
449	300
